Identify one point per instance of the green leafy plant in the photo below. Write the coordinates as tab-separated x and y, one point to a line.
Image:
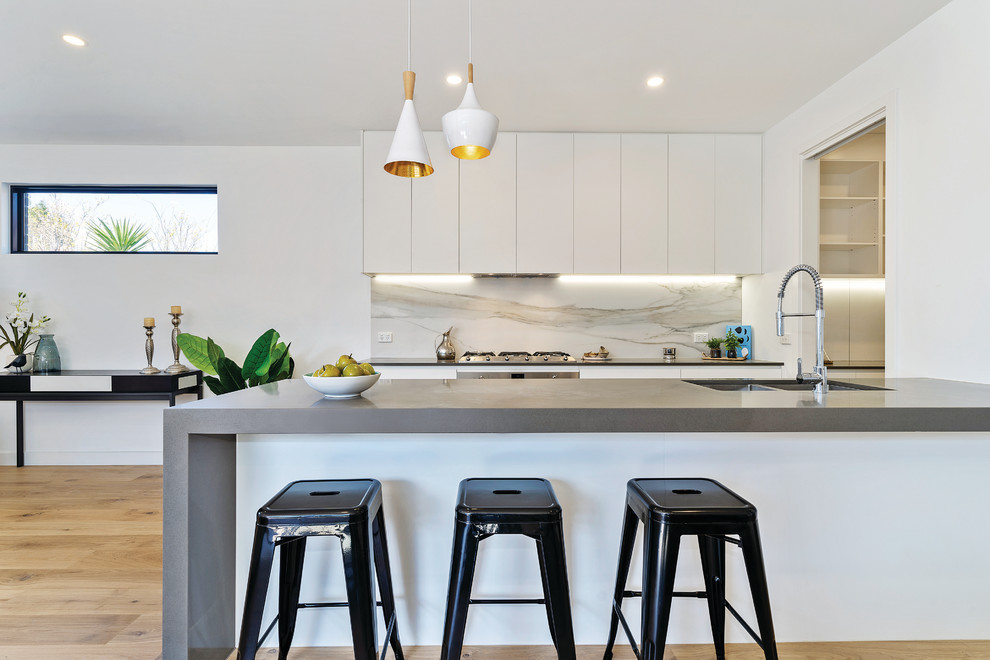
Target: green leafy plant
714	342
267	361
732	341
23	328
116	235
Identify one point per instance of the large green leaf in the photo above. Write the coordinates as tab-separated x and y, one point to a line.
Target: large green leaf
259	358
280	365
215	354
214	384
230	375
194	348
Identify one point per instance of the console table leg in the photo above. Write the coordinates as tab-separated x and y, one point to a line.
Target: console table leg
19	407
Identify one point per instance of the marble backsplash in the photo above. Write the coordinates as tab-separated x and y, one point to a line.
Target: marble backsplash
632	319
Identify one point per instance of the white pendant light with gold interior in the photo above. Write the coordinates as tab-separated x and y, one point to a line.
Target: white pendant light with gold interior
408	156
470	129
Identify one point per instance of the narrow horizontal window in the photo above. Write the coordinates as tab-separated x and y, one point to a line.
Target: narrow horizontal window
145	219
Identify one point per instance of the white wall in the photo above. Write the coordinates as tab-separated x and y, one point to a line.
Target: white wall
936	81
290	258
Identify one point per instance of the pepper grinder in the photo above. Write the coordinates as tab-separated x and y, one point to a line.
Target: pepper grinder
178	367
149	346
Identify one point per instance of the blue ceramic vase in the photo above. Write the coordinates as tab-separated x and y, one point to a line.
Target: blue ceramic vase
46	357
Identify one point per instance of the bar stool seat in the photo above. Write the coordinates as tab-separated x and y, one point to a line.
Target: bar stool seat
350	509
486	507
670	509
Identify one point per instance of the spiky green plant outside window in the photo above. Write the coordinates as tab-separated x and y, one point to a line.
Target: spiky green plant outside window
116	235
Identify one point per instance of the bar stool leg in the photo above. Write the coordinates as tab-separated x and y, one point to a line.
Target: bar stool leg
358	576
384	571
546	592
755	571
290	581
660	550
551	548
463	558
259	573
713	566
629	527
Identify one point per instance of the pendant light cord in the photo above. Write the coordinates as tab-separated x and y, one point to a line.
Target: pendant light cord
470	31
409	36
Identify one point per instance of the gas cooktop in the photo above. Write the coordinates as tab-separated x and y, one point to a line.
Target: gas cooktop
516	357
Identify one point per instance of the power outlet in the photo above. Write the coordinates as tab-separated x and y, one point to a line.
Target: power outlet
700	337
385	337
785	339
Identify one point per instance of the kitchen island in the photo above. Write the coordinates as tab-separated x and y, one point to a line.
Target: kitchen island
864	498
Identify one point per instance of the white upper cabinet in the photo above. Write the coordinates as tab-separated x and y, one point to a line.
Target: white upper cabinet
691	204
738	204
488	210
545	203
435	212
638	203
596	202
387	210
643	203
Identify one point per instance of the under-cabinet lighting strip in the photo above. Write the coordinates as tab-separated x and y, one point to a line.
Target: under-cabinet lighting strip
649	279
573	279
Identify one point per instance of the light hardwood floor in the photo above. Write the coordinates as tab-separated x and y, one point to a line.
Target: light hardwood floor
81	572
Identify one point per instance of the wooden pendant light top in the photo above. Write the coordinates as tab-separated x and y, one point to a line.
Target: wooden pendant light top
409	81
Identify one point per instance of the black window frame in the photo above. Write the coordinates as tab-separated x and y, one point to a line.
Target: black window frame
19	210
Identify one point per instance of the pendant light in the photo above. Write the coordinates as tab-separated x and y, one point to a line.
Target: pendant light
470	129
408	156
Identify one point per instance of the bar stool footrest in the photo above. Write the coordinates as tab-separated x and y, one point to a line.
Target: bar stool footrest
507	601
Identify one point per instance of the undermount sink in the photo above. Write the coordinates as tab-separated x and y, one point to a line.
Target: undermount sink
749	385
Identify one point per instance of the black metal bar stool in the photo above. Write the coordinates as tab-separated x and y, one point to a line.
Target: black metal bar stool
508	506
350	509
670	509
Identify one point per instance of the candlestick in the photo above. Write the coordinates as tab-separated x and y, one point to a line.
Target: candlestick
149	346
178	367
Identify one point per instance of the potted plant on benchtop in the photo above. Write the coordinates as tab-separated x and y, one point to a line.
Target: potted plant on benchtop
24	332
267	361
713	345
732	342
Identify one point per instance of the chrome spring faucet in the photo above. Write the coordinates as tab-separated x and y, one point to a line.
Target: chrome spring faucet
820	374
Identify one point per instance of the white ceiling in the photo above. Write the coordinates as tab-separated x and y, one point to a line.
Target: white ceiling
314	72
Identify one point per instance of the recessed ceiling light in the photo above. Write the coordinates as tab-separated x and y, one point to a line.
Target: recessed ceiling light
655	81
72	39
454	79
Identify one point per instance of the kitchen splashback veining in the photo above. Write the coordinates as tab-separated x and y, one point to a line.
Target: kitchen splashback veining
536	314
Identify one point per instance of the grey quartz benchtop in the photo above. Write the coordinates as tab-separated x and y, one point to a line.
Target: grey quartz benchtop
584	406
623	362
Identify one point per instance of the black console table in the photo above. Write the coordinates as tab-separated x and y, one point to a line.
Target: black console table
94	386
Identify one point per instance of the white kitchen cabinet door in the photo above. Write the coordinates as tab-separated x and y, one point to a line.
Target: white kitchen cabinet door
738	204
387	210
488	210
629	372
434	212
545	203
596	203
644	203
691	208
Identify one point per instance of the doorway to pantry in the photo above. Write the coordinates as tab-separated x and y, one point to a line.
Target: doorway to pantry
851	240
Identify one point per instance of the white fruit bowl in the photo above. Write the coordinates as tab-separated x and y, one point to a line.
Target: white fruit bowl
340	387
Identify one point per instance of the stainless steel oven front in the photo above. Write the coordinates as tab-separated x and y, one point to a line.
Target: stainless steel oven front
534	373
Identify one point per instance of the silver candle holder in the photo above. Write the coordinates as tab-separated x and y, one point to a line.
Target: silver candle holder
149	347
178	367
